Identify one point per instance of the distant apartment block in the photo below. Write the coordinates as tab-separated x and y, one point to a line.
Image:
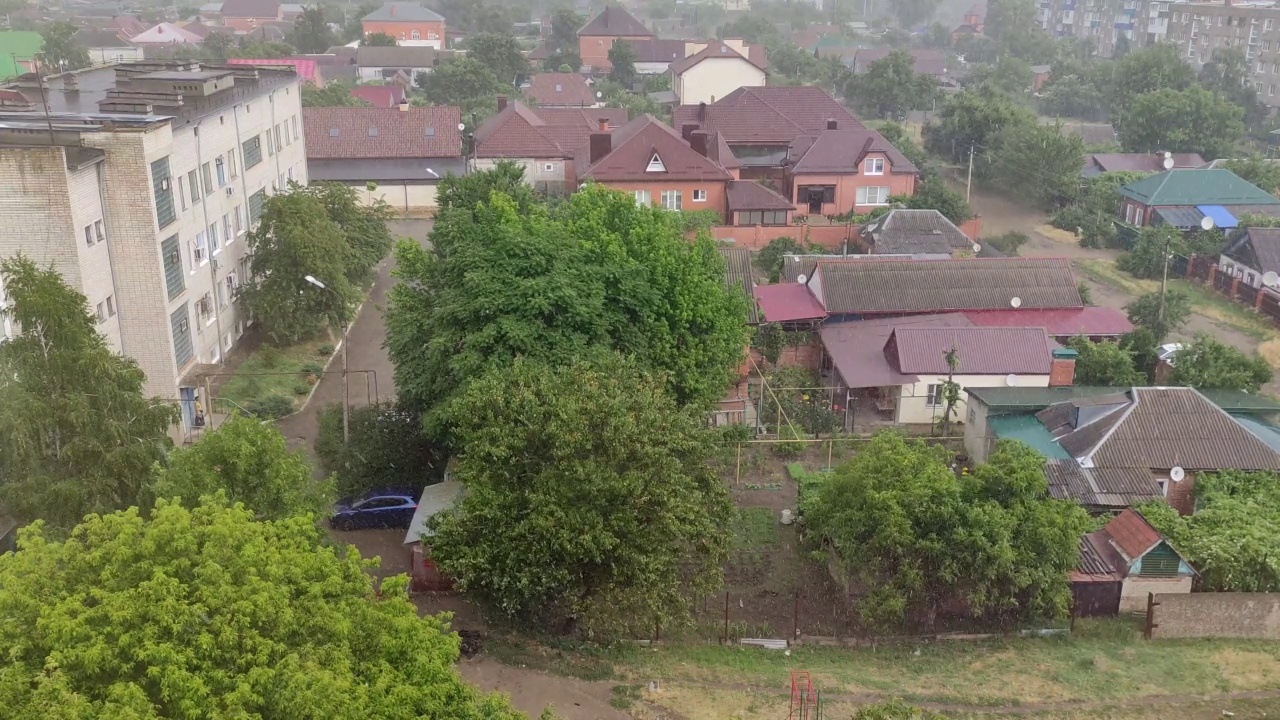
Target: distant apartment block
140	187
1105	22
1200	28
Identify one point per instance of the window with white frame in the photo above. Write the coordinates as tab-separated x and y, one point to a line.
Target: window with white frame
215	244
271	148
699	195
874	166
548	167
672	200
933	396
204	308
644	198
88	235
99	231
873	196
227	235
220	167
111	306
655	164
199	252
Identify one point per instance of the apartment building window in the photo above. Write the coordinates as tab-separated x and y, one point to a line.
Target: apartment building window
88	235
255	205
699	195
644	198
207	174
933	396
1266	24
172	257
193	184
231	162
99	231
1266	46
1219	21
226	229
111	306
294	120
204	309
278	145
874	166
873	195
672	199
215	244
101	312
220	166
252	151
165	214
227	342
1271	89
239	219
180	325
199	252
271	148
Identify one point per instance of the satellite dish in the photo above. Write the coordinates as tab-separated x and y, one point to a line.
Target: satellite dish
1206	223
977	248
1016	302
1011	380
1168	155
802	278
1167	163
1177	474
1270	278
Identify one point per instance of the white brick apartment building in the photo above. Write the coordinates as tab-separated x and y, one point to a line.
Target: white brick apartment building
139	186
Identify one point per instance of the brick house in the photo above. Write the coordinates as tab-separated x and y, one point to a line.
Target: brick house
597	37
410	23
249	15
1183	198
838	171
551	144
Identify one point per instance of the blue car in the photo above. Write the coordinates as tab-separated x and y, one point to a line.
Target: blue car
388	507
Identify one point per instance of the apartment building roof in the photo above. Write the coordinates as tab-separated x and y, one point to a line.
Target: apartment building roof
304	67
614	21
367	132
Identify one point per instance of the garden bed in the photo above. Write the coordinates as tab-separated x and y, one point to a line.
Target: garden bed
273	382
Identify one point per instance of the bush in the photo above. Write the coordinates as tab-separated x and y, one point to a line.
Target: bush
1007	243
769	259
270	407
312	368
302	387
270	356
326	349
387	448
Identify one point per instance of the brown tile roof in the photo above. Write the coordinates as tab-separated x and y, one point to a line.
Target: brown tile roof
768	114
127	24
614	21
369	132
904	231
400	56
1163	428
567	89
250	9
1132	534
979	351
842	151
714	49
656	50
903	286
751	195
542	52
519	131
636	143
928	61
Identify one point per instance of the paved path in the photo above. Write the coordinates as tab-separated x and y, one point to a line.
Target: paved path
366	352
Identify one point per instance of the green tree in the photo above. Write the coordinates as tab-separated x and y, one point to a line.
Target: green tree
590	501
311	31
220	45
59	51
770	258
1208	364
1073	95
933	193
565	61
386	449
250	463
916	536
208	613
296	239
77	435
1257	170
463	81
1037	162
1147	257
468	192
891	87
972	119
910	13
1012	25
1008	75
1191	121
1228	74
565	24
378	39
1155	67
622	61
363	226
1104	364
894	710
1144	312
333	94
500	53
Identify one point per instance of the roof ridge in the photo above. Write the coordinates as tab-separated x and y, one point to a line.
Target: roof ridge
1086	461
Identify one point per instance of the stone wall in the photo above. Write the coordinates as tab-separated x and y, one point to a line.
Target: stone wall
1235	615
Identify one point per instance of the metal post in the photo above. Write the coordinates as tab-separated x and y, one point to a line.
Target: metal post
795	617
726	617
346	387
1164	279
968	186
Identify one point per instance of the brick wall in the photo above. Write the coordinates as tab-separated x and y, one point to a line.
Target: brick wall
430	34
1062	372
1235	615
755	237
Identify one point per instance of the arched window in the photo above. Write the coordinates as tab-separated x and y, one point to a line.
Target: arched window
417	35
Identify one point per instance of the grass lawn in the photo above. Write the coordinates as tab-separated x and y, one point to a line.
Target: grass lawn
277	394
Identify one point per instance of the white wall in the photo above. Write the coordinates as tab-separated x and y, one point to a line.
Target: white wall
1247	275
913	407
375	73
401	196
713	78
1133	591
107	56
535	170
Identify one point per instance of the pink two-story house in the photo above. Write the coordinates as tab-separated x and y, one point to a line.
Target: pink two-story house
838	171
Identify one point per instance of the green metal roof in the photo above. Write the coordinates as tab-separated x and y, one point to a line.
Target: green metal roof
21	44
1010	399
1268	434
1028	429
1234	401
1214	186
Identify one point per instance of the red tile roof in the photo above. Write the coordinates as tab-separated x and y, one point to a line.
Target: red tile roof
634	147
379	96
769	114
979	351
788	302
519	131
1087	321
714	49
305	68
1132	534
127	24
841	151
561	89
361	132
857	349
751	195
614	21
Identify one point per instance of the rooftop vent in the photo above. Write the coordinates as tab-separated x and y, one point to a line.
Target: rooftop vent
333	132
559	87
373	132
431	132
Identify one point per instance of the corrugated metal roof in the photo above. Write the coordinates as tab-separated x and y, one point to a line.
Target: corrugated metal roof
979	351
857	349
435	499
1027	429
898	286
1088	321
1182	216
738	274
1217	186
1005	399
916	231
1098	488
788	302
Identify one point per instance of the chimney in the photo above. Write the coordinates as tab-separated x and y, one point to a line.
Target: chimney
502	103
1062	369
686	130
698	141
602	125
393	9
404	104
702	112
832	124
601	145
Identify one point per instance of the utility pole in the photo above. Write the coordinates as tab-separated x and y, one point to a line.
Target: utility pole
1164	279
968	186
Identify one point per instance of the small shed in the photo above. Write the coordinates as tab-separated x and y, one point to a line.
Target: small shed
435	499
1123	562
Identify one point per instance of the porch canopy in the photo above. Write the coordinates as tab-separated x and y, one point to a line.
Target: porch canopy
856	348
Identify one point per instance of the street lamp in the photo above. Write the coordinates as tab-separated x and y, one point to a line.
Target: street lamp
434	174
346	382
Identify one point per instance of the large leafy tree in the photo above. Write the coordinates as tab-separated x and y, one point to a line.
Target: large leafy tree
1155	67
1104	364
59	51
972	119
1208	364
77	435
891	86
250	463
333	94
622	62
207	613
386	448
1037	162
910	13
1145	312
463	81
363	226
1147	257
1012	24
378	39
589	498
911	536
500	283
1192	120
1257	170
295	239
500	53
1228	74
932	193
311	31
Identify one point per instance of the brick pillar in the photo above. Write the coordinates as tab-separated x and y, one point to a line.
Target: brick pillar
1191	267
1235	285
1213	270
1062	369
1257	299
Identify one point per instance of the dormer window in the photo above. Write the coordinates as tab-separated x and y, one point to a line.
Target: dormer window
655	164
875	166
